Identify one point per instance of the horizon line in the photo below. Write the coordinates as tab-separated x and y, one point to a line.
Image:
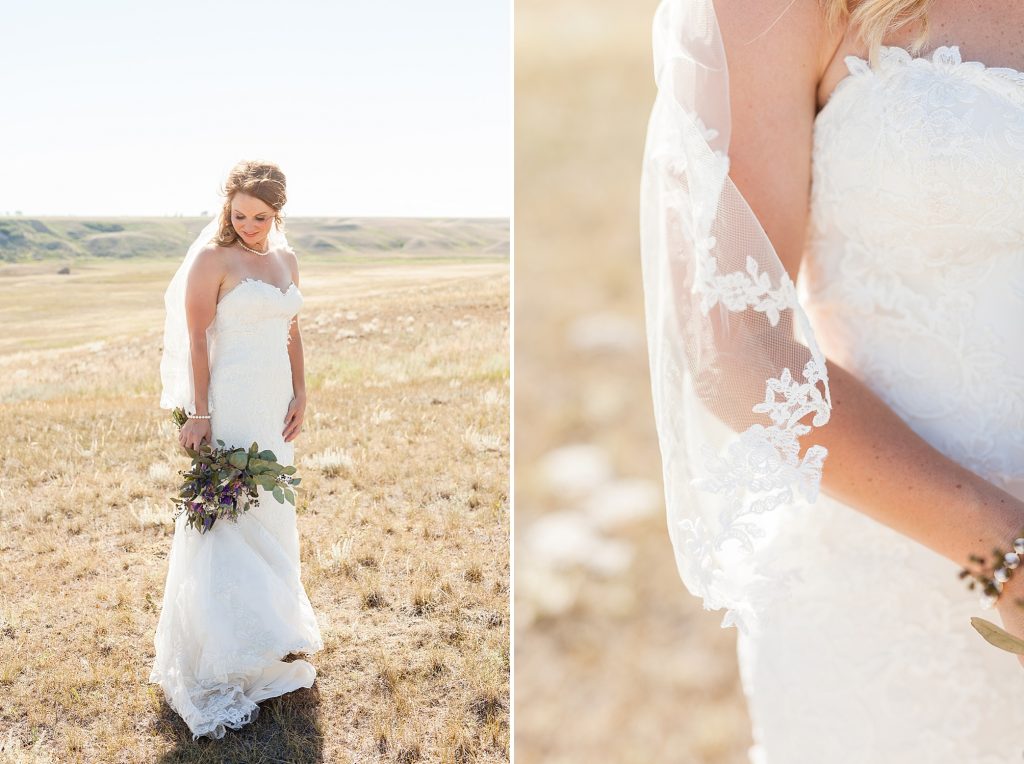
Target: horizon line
288	217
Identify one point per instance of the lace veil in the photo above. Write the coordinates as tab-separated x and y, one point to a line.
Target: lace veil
176	362
738	382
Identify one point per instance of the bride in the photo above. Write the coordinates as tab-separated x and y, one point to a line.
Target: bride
833	260
234	605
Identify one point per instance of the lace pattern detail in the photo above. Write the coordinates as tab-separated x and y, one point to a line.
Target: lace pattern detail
740	290
219	707
759	470
907	301
720	492
762	467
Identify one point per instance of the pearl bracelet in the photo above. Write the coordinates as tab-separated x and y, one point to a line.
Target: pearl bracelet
992	581
198	416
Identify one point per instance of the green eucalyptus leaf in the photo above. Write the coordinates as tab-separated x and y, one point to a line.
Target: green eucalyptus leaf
254	449
279	494
290	496
238	460
296	481
267	455
289	470
1001	638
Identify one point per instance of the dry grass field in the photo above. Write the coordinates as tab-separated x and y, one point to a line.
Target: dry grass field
614	660
403	516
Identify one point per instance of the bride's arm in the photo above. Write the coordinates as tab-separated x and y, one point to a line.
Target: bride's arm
201	288
875	462
297	408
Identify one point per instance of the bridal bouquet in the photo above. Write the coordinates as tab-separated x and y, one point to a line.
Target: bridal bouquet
220	477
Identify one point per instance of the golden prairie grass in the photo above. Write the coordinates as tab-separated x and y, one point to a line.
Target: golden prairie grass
614	660
403	519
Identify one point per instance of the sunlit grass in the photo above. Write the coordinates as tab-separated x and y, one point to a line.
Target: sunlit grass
403	522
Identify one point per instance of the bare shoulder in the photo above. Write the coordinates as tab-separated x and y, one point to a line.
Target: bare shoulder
212	251
291	261
289	257
789	37
211	262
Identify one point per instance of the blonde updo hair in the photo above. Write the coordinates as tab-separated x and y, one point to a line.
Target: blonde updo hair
873	19
265	181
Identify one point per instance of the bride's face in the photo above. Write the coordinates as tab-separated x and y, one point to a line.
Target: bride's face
251	218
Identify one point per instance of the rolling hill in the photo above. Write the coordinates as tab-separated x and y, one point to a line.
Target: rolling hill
66	239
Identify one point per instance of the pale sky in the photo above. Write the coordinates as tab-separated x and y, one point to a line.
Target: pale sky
385	107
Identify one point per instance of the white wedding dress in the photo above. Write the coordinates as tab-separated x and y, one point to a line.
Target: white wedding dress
913	279
234	604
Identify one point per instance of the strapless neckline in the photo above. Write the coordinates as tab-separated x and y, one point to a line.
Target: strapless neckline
945	58
942	56
251	279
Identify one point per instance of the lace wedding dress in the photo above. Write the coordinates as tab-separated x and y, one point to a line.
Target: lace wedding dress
234	604
913	279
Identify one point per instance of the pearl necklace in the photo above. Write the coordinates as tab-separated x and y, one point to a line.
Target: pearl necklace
255	252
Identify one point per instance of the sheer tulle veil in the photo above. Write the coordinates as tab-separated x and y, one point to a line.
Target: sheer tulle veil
176	363
739	385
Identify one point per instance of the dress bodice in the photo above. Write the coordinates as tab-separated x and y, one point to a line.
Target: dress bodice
250	368
913	276
253	299
253	314
921	143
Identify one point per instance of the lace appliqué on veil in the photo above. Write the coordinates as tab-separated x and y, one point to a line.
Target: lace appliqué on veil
760	469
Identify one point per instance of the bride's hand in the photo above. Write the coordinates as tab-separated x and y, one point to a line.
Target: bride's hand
194	432
293	419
